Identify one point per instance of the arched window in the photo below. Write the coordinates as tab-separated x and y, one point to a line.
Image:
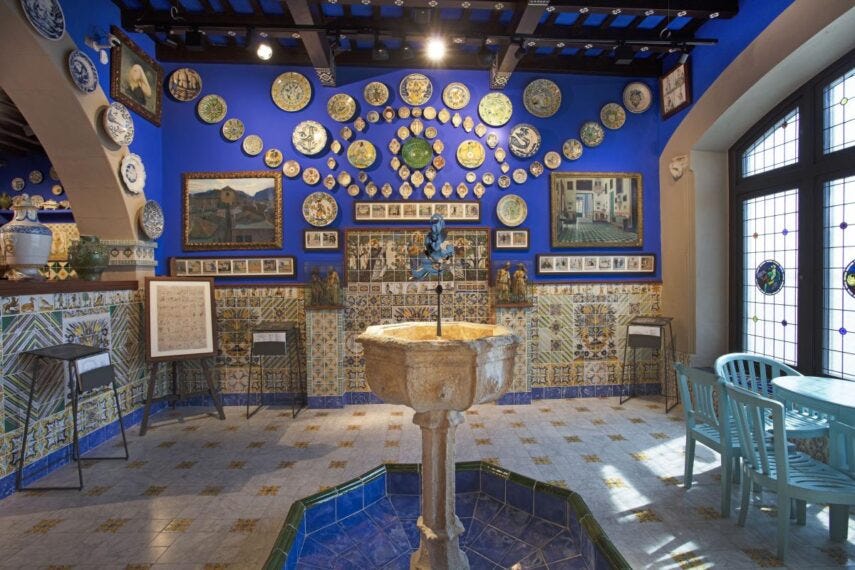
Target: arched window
792	292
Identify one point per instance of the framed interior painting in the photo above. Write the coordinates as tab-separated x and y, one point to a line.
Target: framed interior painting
179	322
232	210
321	240
676	90
253	266
136	80
510	239
595	209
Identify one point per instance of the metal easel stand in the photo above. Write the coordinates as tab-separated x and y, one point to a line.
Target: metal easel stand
79	381
656	334
282	340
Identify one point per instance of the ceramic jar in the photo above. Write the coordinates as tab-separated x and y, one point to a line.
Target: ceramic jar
25	241
89	257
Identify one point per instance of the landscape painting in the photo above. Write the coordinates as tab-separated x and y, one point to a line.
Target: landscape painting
232	210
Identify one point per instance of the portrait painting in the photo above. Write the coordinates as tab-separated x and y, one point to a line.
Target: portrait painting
595	209
136	80
232	210
676	89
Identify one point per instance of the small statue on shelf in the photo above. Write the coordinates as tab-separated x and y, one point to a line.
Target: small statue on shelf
503	283
317	289
333	287
519	288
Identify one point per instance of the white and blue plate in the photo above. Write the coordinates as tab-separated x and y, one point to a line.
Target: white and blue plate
83	72
119	124
151	220
46	17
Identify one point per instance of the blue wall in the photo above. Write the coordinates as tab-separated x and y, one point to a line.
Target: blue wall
20	167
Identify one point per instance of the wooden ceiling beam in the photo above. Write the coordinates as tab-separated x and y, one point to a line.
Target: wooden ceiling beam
9	134
316	43
692	8
507	58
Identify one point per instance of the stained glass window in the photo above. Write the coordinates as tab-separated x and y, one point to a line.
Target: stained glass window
838	104
770	275
777	147
838	299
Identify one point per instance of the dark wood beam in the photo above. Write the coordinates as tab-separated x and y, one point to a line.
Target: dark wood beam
316	43
507	57
17	137
12	148
692	8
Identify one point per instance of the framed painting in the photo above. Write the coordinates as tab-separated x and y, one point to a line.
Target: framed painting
232	210
136	80
595	209
254	266
552	264
321	240
676	89
179	322
510	239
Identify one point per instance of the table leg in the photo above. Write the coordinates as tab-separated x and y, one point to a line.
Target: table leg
152	378
19	478
838	523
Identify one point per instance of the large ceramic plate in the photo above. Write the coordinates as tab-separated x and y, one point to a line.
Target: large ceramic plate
185	84
291	91
341	107
233	129
319	209
212	108
150	219
119	124
133	173
46	17
361	154
495	109
524	140
455	95
83	72
592	134
572	149
309	138
542	98
637	97
416	153
415	89
612	116
470	154
376	94
511	210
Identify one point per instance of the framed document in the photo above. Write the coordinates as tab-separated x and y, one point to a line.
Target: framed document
179	321
675	88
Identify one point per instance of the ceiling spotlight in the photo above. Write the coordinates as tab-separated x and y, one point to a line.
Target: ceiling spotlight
465	5
583	10
644	48
531	43
499	6
264	51
616	11
193	40
713	15
295	35
649	12
433	3
589	46
407	51
435	49
379	51
399	2
560	45
231	33
681	13
550	8
684	57
458	40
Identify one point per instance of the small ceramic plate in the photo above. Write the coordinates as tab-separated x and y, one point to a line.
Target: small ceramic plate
447	190
535	168
592	134
455	95
417	127
346	133
637	97
504	181
372	116
56	190
403	133
429	113
468	124
438	146
394	146
359	124
511	210
505	167
462	190
185	84
386	190
371	189
36	177
431	132
612	116
83	72
273	158
479	190
331	163
291	169
46	17
376	94
443	116
471	177
341	107
311	176
470	154
388	114
329	182
404	113
417	178
335	146
405	190
212	108
438	162
500	155
353	190
456	120
520	175
119	124
344	178
319	209
150	219
18	184
417	112
492	140
361	154
572	149
133	173
552	160
429	191
488	178
233	129
253	145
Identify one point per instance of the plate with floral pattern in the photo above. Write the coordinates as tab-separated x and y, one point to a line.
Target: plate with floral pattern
233	129
133	173
319	209
612	116
119	124
572	149
341	107
253	145
552	160
46	17
455	95
542	98
592	134
291	91
311	176
150	219
376	94
309	138
212	108
495	109
291	169
83	72
273	158
415	89
511	210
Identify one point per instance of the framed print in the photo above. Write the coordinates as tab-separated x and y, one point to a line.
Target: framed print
232	210
676	90
136	80
179	322
253	266
552	264
321	240
510	239
595	209
416	211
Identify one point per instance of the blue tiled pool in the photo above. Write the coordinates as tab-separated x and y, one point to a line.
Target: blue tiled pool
511	522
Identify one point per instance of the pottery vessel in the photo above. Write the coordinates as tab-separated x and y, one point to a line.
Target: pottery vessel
25	242
89	257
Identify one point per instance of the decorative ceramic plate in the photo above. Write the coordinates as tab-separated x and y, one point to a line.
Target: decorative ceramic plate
309	138
443	116
273	158
430	190
376	94
415	89
36	177
46	17
291	169
233	129
361	154
417	127
524	140
471	177
353	190
520	175
346	133
542	98
592	134
335	146
511	210
18	184
612	116
344	178
56	190
455	95
311	176
119	124
462	190
468	124
500	154
404	113
456	120
431	132
394	146
331	163
362	176
388	114
341	107
133	173
470	154
291	91
83	72
253	145
572	149
552	160
319	209
769	277
372	116
429	114
535	168
416	153
637	97
359	124
492	140
417	112
480	130
185	84
488	178
495	109
212	109
438	162
329	182
438	146
150	219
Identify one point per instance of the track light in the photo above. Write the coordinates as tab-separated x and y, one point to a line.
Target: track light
624	54
193	40
264	51
407	51
379	51
435	48
684	57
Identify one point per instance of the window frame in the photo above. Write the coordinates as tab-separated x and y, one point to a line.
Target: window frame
808	176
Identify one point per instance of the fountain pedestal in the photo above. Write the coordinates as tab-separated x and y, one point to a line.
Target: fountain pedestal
439	377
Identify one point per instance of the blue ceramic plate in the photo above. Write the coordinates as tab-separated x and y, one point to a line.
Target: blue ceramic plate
83	72
46	17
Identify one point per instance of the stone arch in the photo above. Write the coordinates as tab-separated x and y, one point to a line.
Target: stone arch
797	45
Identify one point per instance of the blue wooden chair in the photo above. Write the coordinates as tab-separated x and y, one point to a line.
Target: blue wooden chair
841	451
791	474
755	373
707	421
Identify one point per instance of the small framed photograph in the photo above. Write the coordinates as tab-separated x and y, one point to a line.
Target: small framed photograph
417	211
136	80
510	239
675	88
321	240
582	264
264	266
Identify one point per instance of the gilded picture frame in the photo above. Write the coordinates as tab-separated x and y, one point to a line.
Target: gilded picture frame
596	209
209	221
136	80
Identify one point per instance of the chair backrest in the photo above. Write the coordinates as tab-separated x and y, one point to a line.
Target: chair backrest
841	447
752	371
751	411
702	397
